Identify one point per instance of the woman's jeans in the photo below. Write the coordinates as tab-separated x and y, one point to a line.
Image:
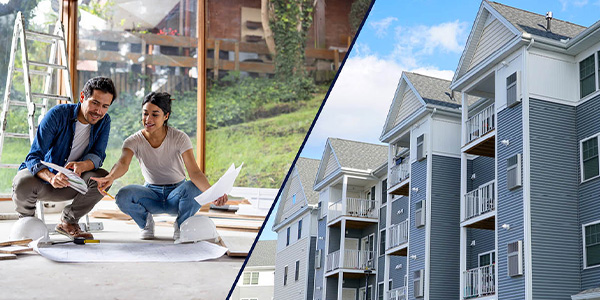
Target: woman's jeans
175	199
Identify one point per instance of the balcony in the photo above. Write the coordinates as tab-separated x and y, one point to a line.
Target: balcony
353	260
478	203
480	130
480	282
397	294
397	237
399	175
356	208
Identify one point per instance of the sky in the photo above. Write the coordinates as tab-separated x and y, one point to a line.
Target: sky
426	37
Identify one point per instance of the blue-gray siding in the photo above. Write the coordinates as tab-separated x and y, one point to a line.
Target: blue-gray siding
484	170
445	228
397	276
416	235
399	205
319	273
510	203
554	180
588	124
334	239
485	241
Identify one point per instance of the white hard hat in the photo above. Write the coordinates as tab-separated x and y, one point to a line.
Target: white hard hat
29	228
196	229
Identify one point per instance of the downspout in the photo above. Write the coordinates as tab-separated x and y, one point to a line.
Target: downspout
530	43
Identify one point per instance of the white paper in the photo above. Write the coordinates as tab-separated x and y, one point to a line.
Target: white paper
130	252
75	182
221	187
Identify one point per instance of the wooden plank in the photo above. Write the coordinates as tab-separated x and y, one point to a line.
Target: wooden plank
336	59
5	256
13	249
237	56
158	59
216	60
15	242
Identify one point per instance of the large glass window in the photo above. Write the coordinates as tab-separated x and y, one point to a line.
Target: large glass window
587	81
589	159
592	245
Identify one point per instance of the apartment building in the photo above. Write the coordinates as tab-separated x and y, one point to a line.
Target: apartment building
296	227
257	281
422	130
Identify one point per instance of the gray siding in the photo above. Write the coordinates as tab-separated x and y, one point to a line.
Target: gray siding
288	257
445	228
334	239
485	241
484	170
410	103
469	172
555	230
417	235
588	123
510	203
494	36
319	273
399	204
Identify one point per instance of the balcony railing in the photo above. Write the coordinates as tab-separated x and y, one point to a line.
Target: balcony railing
481	123
353	259
397	294
480	201
398	234
399	173
480	282
355	207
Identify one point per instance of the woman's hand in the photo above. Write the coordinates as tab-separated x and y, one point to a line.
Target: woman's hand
103	183
221	200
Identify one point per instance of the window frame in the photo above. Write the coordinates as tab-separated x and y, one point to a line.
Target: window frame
288	231
299	229
382	241
297	271
384	192
285	275
582	171
250	278
492	255
595	75
583	226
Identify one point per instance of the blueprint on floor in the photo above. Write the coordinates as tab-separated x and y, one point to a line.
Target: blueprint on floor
131	252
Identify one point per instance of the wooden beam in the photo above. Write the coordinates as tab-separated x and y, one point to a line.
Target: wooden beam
237	56
320	30
201	96
68	17
216	58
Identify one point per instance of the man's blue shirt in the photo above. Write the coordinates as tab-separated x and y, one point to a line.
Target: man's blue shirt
54	138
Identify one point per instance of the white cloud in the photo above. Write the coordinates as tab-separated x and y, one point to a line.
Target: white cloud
359	102
424	40
576	3
382	26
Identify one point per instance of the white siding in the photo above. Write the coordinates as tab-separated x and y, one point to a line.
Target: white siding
552	76
446	136
288	257
417	130
493	37
410	103
514	64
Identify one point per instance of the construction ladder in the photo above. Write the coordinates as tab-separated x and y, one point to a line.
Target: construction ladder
57	43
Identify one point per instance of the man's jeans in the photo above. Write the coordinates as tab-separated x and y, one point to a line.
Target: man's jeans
28	189
175	199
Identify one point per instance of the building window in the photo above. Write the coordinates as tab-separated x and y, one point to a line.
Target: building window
381	291
591	244
294	199
287	241
250	278
297	274
384	191
590	166
587	80
285	270
382	243
299	229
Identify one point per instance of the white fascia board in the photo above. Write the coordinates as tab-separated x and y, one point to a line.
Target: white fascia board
292	218
414	118
327	180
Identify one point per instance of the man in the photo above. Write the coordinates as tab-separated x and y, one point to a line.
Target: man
74	136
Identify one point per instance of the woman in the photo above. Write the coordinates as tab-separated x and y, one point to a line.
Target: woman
162	151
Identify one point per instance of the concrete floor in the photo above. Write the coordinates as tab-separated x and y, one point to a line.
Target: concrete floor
32	276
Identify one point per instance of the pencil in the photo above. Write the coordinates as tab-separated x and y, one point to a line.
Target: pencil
108	195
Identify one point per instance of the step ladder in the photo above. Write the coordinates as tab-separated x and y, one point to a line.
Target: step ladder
57	44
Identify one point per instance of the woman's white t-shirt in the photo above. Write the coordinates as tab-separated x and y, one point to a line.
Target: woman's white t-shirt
164	164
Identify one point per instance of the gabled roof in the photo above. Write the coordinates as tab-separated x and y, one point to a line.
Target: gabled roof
307	171
433	90
535	24
263	254
358	155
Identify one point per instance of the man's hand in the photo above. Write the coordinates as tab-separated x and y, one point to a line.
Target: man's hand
80	166
103	183
221	201
59	181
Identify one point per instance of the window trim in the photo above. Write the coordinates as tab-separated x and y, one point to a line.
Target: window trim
297	271
493	262
288	231
585	266
594	75
299	229
595	93
250	282
581	170
285	275
382	238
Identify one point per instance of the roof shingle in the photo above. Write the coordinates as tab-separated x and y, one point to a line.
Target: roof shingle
358	155
263	254
307	171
